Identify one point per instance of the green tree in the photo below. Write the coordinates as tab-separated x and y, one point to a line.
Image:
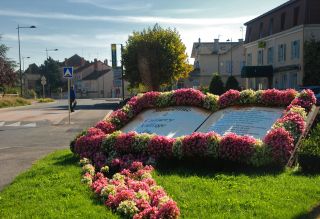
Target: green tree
232	83
216	85
155	57
311	63
7	75
51	70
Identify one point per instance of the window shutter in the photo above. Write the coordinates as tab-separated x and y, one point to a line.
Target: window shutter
284	52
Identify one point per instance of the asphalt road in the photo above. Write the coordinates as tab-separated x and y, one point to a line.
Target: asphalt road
29	133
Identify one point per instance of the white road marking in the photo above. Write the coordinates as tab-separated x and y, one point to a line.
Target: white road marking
2	123
30	125
16	124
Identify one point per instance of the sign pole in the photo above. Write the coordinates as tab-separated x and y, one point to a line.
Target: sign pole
69	99
43	91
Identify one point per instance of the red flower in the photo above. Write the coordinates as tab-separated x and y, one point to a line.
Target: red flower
236	148
281	143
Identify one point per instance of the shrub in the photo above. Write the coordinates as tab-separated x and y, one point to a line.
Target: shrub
232	83
309	153
216	85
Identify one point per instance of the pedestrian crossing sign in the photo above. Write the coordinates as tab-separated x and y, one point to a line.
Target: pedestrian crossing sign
67	72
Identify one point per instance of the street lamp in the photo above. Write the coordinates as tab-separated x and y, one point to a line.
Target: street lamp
18	28
47	50
231	53
23	57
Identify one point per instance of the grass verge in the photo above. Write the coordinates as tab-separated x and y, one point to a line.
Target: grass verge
13	101
45	100
52	189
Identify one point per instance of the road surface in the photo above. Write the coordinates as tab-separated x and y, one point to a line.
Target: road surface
29	133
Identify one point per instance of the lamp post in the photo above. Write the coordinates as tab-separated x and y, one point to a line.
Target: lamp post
48	50
18	28
231	54
24	57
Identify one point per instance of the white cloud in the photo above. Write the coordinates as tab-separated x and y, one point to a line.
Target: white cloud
131	19
117	5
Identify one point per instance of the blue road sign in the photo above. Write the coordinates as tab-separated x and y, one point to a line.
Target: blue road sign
67	72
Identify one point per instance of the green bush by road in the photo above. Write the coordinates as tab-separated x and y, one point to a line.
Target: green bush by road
13	101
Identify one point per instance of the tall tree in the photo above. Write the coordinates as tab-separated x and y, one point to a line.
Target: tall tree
311	63
50	69
7	75
155	57
216	85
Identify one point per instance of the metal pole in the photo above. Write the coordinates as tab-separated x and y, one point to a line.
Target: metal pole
122	81
43	94
20	61
69	99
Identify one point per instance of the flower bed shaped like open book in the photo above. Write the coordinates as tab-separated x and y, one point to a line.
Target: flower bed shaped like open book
106	145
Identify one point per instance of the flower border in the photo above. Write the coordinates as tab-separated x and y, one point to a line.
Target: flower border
129	191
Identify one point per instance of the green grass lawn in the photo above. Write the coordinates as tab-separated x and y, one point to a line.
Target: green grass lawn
52	188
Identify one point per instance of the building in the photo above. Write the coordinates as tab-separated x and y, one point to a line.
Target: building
274	44
225	58
31	77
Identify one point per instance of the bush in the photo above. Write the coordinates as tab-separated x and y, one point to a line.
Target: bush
29	94
232	83
13	101
216	85
309	153
45	100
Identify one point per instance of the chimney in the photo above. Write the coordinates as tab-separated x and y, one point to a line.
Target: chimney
216	46
240	40
105	61
199	40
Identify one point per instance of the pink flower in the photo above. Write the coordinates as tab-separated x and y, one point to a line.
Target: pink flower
196	144
169	210
281	143
188	97
305	99
229	98
147	213
273	97
294	118
160	146
124	142
236	148
106	127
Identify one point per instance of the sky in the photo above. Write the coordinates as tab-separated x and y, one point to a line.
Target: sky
89	27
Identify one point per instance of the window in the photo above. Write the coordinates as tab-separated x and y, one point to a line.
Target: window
249	59
282	52
228	67
294	80
261	30
284	81
295	49
260	57
270	56
271	26
296	16
283	20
